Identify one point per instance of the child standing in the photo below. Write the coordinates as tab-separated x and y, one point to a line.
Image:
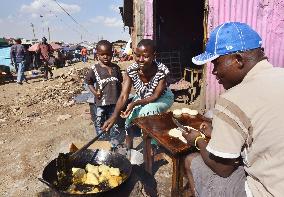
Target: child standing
107	79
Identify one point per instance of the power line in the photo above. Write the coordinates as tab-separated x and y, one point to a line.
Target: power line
62	20
71	17
77	30
67	12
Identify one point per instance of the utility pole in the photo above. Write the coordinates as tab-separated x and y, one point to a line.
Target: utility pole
48	34
81	37
32	25
42	24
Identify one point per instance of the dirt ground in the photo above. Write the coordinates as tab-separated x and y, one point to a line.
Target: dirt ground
38	120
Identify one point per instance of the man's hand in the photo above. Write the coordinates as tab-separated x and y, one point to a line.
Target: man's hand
108	124
190	136
206	128
128	110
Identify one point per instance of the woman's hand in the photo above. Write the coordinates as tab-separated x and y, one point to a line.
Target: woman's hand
206	128
128	110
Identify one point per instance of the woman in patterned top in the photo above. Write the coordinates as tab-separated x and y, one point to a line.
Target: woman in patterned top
148	78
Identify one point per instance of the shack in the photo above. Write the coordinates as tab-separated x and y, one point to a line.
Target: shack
181	28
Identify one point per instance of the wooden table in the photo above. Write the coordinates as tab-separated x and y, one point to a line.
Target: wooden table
157	127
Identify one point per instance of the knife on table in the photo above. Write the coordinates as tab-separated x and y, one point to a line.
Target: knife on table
184	129
180	126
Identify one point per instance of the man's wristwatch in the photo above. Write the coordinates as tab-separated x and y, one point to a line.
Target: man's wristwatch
201	136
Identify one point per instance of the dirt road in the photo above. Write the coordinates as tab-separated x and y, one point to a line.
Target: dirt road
39	120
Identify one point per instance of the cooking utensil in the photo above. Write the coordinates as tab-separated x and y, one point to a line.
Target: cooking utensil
181	127
75	154
64	163
94	157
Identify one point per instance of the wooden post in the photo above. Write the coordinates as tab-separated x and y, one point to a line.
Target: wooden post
148	158
177	177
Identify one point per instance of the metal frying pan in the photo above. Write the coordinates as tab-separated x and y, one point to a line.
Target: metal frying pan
95	157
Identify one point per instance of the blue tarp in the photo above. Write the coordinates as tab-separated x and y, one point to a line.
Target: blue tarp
5	56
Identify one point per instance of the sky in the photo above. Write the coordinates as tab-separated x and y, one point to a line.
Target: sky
88	20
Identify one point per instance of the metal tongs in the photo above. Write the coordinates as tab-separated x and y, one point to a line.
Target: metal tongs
79	151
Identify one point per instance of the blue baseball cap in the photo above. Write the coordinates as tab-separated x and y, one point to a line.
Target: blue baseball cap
228	38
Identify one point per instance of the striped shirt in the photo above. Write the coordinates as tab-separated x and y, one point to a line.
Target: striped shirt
144	90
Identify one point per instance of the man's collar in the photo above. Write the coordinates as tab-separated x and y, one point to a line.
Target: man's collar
259	67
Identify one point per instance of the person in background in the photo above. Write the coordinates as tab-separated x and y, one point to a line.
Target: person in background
148	77
245	155
18	56
107	79
77	54
45	51
36	60
84	53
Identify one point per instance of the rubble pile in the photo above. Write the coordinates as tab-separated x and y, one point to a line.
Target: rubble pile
75	74
53	95
68	86
50	96
4	110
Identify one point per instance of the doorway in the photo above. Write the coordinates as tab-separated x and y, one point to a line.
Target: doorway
179	33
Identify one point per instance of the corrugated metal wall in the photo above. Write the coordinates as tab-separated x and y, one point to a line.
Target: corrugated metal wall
148	28
264	16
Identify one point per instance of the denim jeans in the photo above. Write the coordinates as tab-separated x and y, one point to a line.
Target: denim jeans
114	135
21	70
84	58
93	111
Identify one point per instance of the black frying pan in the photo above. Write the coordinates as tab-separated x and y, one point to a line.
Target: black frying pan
95	157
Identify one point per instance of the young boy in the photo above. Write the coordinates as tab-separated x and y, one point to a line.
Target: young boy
107	79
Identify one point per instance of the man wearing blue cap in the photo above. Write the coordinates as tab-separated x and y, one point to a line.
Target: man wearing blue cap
245	155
